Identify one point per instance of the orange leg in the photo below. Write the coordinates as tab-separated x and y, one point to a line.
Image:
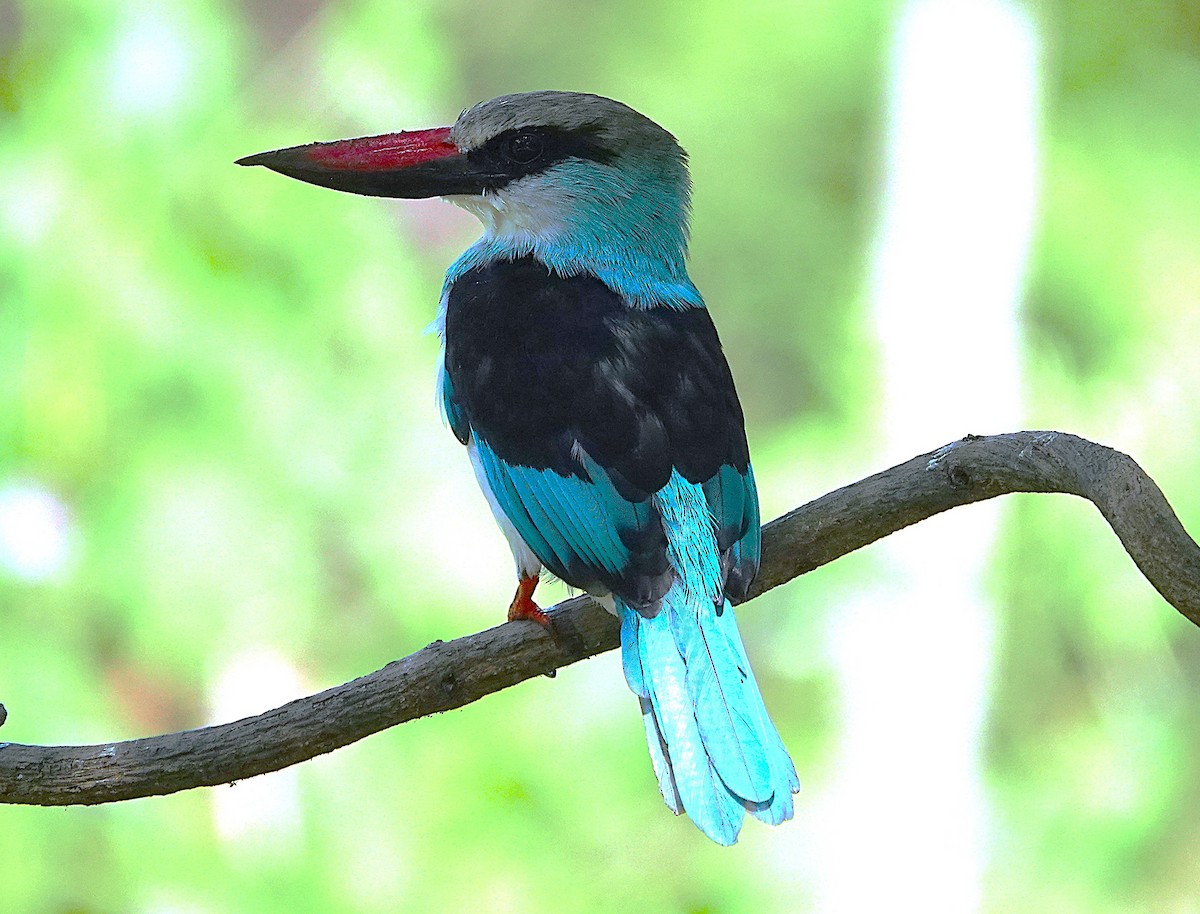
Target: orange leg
523	607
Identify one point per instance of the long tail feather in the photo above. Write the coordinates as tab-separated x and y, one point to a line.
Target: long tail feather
631	660
695	782
659	758
783	772
716	683
715	752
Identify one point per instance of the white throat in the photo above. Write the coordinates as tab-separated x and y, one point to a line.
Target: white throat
519	212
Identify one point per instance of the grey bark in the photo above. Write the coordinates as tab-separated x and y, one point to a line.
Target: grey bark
446	675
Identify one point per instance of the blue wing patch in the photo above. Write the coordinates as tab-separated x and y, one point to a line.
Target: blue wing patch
581	528
732	500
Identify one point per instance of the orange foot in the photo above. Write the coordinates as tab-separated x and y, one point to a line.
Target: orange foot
523	607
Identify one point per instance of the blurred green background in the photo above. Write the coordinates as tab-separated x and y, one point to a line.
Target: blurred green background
224	482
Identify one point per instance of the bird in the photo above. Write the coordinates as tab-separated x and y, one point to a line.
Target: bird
582	371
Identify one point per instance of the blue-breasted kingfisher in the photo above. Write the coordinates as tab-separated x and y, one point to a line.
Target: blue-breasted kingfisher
583	373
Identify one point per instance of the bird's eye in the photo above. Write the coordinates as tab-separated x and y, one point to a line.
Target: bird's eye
524	148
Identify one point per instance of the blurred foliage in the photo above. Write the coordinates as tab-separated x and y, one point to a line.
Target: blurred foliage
221	378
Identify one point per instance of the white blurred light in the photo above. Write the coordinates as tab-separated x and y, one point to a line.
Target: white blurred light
30	200
268	806
958	213
914	658
460	526
35	531
151	65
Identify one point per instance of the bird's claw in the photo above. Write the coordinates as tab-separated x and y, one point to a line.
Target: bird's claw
561	631
523	607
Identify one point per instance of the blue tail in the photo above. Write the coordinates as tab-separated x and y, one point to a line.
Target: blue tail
715	751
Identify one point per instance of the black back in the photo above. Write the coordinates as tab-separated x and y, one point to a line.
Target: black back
537	361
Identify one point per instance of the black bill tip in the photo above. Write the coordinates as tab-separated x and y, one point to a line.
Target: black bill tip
261	158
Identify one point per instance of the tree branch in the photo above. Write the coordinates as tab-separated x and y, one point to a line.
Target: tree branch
449	675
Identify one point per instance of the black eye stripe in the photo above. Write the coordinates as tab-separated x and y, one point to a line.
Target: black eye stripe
525	151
